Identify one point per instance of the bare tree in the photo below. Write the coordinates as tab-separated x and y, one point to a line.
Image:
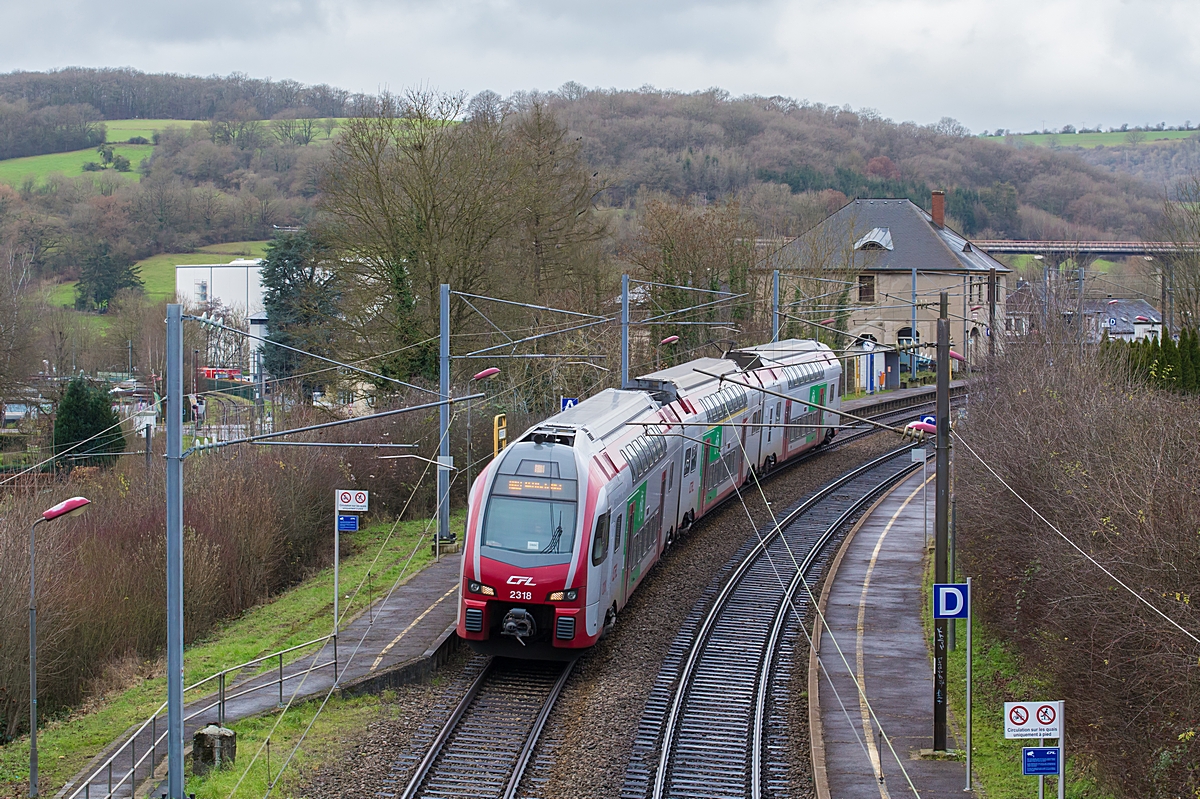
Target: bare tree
1181	227
16	318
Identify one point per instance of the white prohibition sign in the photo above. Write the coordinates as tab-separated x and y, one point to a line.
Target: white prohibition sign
1046	714
351	500
1018	715
1033	719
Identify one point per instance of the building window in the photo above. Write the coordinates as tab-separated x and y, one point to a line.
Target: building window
866	288
201	292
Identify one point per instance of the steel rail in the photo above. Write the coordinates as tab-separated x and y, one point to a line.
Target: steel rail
441	750
703	633
781	614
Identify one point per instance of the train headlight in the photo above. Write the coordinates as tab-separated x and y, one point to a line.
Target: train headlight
569	595
476	587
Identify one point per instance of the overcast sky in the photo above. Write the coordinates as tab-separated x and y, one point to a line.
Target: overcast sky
1017	64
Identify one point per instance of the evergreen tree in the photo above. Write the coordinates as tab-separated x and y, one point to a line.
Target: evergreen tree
102	274
1187	370
84	411
1194	353
300	299
1171	363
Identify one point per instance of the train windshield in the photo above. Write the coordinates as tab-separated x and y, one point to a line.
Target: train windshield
534	526
530	516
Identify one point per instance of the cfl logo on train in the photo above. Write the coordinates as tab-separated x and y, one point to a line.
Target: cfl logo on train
517	579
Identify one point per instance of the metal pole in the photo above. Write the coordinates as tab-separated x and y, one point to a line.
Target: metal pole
337	551
33	753
941	521
992	311
468	467
175	551
912	353
970	613
443	472
624	331
149	461
775	306
1062	749
1041	779
951	566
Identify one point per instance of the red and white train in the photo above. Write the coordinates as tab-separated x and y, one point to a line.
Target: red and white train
563	526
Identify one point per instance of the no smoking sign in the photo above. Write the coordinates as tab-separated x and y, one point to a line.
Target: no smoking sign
348	499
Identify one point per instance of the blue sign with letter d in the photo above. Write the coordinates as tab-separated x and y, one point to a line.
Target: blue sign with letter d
951	601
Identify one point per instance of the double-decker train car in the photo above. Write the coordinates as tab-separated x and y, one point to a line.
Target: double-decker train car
564	525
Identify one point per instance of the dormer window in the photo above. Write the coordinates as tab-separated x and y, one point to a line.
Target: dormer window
879	238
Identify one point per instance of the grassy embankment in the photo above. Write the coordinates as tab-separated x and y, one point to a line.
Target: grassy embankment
14	171
301	614
999	676
1090	140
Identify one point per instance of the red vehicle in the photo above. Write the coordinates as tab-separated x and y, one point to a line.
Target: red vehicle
563	526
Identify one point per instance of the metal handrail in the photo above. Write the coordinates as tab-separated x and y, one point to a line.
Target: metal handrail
136	762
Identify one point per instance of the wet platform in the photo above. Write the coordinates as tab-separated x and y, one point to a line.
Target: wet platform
867	745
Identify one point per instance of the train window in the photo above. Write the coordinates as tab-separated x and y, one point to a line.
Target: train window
671	476
617	534
529	525
600	540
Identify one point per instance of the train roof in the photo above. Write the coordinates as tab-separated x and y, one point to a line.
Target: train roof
686	379
603	414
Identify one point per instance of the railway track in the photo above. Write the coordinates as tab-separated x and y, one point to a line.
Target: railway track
707	729
485	746
487	742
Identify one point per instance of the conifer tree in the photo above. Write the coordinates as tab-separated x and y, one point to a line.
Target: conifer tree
1187	368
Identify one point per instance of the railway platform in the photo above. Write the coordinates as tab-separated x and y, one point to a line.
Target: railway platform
398	640
872	603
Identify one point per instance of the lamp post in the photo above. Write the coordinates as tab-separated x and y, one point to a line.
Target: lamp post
70	507
666	342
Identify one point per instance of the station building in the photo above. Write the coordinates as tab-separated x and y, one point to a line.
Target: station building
894	257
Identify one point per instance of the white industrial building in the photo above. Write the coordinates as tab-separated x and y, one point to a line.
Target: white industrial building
237	285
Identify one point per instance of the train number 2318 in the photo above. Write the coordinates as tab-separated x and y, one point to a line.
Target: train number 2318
520	595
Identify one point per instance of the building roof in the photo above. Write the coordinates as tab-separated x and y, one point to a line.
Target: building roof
894	236
1120	316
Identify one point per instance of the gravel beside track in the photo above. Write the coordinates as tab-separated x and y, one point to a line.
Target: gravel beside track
586	745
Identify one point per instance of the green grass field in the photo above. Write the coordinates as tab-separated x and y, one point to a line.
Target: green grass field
14	171
1090	140
125	129
158	271
300	614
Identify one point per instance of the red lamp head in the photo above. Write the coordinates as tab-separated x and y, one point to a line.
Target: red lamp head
1143	319
828	321
1113	302
669	340
68	507
956	356
924	427
976	307
491	371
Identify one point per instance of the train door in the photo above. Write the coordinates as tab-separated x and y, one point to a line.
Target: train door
662	512
816	396
711	460
635	514
618	563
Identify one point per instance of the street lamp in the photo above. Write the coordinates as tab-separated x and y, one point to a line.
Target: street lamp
70	507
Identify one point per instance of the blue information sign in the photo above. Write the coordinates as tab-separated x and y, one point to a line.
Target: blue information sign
568	402
347	523
1040	761
951	601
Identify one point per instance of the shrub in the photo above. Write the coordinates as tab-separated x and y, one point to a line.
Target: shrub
1111	461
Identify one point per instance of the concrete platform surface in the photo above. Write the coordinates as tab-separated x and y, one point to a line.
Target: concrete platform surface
872	606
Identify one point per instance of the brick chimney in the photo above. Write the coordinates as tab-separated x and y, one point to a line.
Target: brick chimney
939	209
